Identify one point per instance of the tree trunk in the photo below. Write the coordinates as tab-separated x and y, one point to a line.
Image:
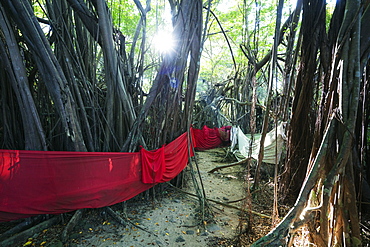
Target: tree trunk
34	137
326	205
301	125
50	70
164	111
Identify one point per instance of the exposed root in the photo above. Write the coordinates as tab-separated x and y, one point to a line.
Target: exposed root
71	224
229	165
24	225
24	235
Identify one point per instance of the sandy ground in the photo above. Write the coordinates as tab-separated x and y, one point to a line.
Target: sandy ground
172	218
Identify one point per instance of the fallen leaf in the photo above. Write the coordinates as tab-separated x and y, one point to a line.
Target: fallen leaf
27	243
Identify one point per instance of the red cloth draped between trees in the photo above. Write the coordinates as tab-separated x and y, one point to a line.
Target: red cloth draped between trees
54	182
207	138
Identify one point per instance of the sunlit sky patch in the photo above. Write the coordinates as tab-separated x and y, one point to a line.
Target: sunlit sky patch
226	5
163	40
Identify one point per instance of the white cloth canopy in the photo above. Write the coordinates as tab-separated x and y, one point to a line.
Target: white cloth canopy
272	147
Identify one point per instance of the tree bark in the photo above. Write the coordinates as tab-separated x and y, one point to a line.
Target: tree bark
34	136
50	70
300	138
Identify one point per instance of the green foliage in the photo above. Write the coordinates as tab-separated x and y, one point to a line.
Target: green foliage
245	22
329	14
125	16
252	23
38	9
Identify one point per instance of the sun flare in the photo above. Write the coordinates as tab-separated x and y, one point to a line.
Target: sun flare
163	42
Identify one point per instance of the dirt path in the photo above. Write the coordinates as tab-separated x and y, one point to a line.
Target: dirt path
170	220
174	219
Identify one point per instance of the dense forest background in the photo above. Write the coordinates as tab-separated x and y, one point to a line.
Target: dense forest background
94	75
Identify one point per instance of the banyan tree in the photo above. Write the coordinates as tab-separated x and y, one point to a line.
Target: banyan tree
78	76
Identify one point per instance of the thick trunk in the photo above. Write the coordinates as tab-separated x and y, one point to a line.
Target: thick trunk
301	126
326	205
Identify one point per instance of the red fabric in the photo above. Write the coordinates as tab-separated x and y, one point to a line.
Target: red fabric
153	165
208	138
39	182
176	155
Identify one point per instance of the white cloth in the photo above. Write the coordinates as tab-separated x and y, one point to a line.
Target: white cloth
271	155
233	137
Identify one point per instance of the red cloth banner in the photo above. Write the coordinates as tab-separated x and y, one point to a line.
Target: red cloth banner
208	138
176	155
160	165
153	165
54	182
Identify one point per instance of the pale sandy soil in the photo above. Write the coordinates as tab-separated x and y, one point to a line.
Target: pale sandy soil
174	219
